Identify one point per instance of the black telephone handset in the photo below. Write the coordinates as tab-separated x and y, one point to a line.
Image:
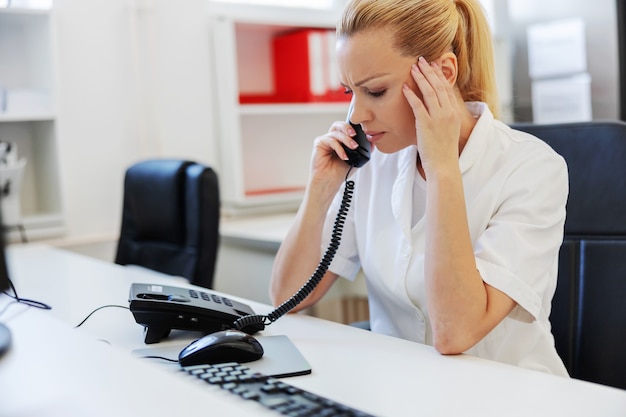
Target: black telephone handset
361	155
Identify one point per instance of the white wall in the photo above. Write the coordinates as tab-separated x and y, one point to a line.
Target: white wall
175	74
133	82
97	110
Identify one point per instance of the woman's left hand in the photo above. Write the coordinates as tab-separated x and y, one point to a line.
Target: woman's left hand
437	116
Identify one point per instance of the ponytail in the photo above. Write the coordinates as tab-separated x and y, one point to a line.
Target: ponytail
473	48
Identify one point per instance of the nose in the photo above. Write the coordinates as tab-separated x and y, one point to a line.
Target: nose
358	112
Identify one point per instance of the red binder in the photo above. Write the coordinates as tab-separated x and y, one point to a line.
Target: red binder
305	68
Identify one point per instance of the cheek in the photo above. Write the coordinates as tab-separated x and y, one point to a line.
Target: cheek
406	122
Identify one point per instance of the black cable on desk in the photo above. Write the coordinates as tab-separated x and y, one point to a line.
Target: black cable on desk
98	309
27	301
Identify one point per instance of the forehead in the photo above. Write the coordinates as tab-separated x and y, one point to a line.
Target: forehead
363	44
369	52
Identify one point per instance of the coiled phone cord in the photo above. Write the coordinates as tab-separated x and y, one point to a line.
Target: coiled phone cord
258	319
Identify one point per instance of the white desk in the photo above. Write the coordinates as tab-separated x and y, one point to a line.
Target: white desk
381	375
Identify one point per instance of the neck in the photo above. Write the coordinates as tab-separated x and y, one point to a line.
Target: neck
468	121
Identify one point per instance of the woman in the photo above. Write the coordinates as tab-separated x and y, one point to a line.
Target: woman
456	220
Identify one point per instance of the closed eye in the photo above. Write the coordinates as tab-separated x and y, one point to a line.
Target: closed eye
371	93
377	93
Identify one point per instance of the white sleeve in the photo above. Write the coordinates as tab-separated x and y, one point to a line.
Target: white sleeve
518	251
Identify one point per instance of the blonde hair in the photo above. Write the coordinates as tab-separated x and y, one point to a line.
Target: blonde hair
430	28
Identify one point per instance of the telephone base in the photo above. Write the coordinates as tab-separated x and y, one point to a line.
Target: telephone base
155	334
161	308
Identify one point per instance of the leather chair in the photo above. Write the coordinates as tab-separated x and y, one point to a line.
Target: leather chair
170	219
589	307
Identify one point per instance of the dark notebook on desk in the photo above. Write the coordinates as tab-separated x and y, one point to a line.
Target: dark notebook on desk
281	358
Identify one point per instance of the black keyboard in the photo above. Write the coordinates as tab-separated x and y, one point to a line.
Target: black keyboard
270	392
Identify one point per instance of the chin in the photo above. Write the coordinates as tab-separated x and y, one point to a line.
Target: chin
391	148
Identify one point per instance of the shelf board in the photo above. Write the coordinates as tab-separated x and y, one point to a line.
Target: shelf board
273	17
42	220
293	108
25	11
288	198
38	226
26	117
241	209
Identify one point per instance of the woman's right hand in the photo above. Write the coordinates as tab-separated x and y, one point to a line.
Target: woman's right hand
328	162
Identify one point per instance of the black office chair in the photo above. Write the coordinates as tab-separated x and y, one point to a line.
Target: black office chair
170	219
589	307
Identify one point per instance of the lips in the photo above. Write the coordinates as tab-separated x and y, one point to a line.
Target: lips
373	136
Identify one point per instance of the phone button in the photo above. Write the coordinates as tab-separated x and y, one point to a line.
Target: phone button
178	298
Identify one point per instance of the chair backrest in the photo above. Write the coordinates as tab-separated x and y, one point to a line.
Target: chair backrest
170	219
589	308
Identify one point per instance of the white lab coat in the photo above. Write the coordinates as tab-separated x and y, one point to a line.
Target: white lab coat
516	189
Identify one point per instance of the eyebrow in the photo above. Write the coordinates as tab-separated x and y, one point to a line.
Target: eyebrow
371	77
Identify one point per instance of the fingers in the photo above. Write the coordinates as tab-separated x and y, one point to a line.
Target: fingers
342	127
435	88
340	133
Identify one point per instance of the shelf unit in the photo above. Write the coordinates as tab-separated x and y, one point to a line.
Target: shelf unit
265	149
27	114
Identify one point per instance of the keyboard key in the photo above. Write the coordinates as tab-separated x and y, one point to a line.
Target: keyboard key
270	392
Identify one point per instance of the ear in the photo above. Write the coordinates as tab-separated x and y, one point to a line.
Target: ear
449	66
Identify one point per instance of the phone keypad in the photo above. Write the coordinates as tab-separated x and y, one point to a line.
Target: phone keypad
210	297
